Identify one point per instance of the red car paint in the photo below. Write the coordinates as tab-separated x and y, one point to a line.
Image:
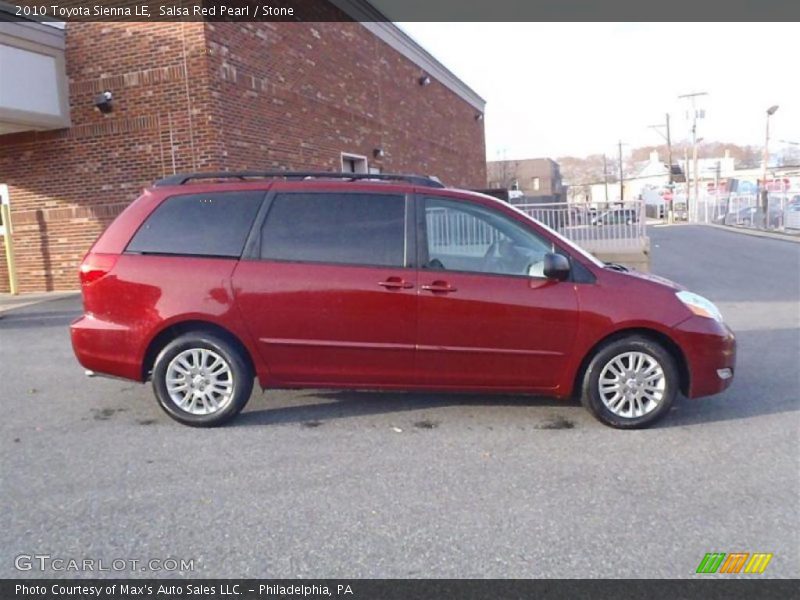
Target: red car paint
328	325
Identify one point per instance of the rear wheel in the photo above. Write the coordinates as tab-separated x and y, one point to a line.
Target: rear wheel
201	379
630	383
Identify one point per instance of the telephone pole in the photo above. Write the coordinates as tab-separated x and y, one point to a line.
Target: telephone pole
764	190
694	116
696	181
605	176
669	151
671	180
687	179
667	138
621	176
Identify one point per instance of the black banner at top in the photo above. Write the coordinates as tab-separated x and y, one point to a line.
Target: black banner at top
400	10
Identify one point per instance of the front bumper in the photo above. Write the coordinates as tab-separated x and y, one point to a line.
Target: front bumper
710	351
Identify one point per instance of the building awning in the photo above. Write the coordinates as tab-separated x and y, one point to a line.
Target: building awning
33	89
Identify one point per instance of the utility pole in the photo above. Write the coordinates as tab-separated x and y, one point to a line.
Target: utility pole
696	181
764	192
670	216
687	181
669	151
671	180
667	138
621	176
692	99
605	176
717	173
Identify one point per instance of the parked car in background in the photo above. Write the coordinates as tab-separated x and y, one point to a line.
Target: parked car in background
792	215
748	216
326	280
617	216
680	211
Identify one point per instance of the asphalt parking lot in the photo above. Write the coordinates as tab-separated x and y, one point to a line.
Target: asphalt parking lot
344	484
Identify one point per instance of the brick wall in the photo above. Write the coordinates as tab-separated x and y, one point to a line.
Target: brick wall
297	95
194	96
65	186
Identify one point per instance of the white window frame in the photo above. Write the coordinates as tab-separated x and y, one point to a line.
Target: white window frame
354	157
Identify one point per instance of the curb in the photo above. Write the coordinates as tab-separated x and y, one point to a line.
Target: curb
757	233
21	301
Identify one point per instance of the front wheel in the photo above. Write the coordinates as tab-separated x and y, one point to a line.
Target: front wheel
630	383
201	379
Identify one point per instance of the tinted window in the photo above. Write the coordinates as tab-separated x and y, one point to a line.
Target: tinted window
214	224
361	229
462	236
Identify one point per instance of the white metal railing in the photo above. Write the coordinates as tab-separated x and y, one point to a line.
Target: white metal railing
459	232
595	227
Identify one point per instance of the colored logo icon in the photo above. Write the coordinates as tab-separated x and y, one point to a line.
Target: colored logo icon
736	562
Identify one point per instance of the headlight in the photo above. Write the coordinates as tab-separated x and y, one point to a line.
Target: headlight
700	306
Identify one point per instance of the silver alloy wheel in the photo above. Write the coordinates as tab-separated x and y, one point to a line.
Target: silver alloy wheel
199	381
632	384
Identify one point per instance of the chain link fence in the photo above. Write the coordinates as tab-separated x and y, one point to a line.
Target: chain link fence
745	210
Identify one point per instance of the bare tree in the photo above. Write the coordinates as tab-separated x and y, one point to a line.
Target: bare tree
502	173
790	155
589	169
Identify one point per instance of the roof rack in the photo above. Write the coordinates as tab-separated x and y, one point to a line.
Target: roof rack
182	178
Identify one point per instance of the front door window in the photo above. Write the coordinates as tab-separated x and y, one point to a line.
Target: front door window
473	239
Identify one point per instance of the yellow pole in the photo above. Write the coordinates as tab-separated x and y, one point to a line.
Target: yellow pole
9	244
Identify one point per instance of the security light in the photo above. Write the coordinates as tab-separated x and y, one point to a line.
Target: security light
103	102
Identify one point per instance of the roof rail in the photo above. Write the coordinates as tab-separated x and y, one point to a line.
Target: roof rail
182	178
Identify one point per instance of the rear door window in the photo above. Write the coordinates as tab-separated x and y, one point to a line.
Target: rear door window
213	224
338	228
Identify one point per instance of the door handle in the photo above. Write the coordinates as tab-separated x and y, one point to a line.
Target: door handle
439	287
395	283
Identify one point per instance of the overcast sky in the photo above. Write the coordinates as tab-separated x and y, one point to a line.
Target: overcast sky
555	89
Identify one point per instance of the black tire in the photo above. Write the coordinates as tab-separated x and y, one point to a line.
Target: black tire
590	388
241	378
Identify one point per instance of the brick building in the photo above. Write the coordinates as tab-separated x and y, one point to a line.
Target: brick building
538	178
198	96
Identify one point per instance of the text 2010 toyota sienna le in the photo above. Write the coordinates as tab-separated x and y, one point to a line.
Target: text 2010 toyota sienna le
379	282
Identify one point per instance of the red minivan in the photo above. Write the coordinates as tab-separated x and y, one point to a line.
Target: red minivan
326	280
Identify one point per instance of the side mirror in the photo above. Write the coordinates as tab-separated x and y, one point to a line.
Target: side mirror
556	266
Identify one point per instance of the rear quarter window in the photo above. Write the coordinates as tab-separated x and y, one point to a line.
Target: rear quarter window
213	224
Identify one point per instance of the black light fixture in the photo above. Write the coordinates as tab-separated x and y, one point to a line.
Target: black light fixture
424	80
479	117
378	153
103	102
